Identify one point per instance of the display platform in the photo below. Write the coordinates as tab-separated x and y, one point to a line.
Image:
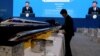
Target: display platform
57	45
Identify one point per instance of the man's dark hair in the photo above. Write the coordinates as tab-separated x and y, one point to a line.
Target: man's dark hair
95	2
63	11
27	2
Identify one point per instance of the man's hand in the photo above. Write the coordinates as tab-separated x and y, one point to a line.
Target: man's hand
61	31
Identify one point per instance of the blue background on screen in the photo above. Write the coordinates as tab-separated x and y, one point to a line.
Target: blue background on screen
76	8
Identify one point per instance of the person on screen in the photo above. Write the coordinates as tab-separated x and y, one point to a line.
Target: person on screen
68	30
27	8
94	9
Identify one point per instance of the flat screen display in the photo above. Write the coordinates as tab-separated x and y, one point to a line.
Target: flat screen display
51	8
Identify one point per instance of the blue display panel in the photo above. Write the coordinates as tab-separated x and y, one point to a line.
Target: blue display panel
6	8
51	8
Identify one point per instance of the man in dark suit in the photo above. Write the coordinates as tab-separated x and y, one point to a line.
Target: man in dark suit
27	8
68	30
94	9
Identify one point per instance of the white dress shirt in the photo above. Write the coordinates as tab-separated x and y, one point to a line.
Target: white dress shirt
94	8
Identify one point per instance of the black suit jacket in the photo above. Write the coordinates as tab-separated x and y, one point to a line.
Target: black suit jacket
24	10
91	10
68	26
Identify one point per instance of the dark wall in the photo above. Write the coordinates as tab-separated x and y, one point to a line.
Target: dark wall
6	8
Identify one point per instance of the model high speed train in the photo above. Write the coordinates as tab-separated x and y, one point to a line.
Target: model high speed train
23	22
9	28
12	29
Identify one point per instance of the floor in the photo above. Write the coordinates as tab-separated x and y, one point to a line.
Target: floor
83	46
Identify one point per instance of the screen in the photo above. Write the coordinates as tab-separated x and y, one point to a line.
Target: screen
6	8
51	8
